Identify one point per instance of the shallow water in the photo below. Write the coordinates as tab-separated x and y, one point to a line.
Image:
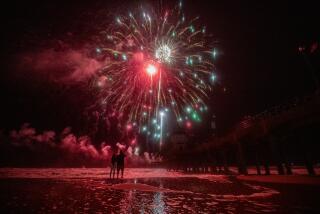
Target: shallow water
145	191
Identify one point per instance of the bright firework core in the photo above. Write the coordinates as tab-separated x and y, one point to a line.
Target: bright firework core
151	69
163	53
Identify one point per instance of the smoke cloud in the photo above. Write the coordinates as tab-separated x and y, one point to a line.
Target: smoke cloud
26	146
61	65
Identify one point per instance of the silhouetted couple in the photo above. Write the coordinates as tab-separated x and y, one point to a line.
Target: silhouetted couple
117	163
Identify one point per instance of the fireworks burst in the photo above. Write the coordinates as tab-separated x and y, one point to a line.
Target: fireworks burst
156	62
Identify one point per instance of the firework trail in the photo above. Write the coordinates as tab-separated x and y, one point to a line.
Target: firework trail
156	62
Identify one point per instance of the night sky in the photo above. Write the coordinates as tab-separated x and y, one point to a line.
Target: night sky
259	63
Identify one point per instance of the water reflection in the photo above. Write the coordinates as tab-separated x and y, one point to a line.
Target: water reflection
133	201
126	204
158	203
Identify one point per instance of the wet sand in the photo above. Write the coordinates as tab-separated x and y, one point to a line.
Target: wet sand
140	193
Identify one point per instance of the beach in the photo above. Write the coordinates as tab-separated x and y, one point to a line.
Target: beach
143	190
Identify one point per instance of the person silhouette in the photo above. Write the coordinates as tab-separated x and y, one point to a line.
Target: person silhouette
120	163
113	165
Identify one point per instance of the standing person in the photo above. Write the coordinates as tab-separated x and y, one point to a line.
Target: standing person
120	163
113	164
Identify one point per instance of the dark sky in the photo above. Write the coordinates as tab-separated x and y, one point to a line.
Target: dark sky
259	62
